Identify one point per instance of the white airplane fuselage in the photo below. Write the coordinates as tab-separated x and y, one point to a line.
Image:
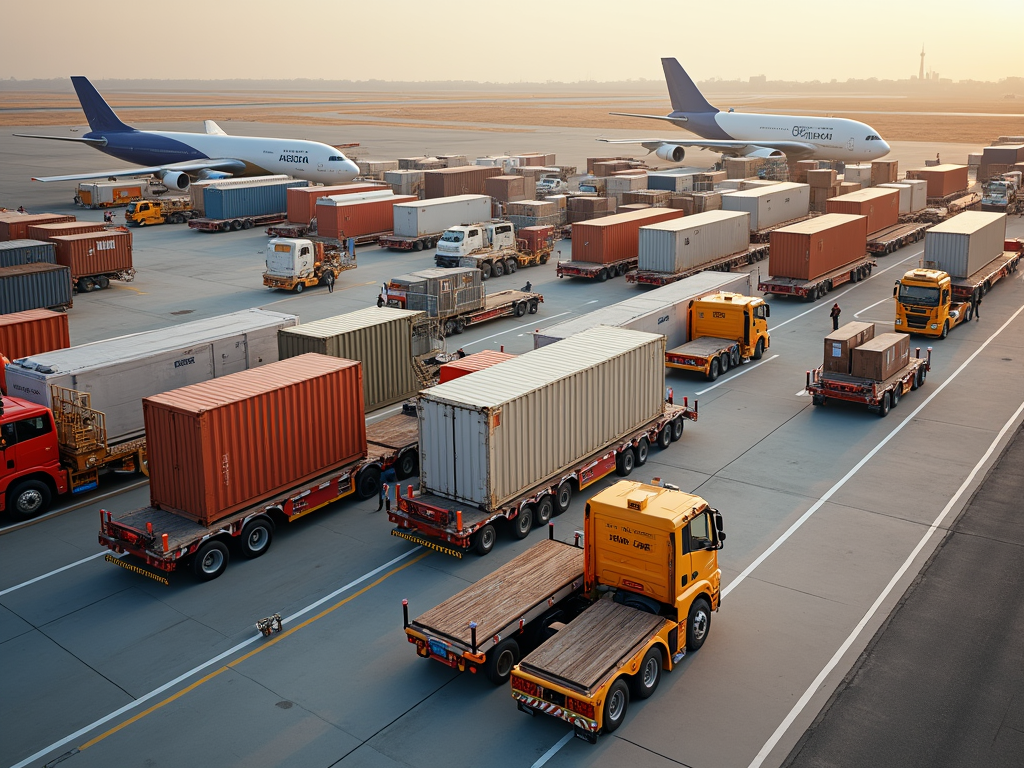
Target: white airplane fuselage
834	138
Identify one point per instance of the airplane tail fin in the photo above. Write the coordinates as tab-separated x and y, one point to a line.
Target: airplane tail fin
99	114
682	91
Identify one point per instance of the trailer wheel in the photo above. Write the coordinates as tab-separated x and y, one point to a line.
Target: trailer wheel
500	661
368	482
460	325
645	681
563	497
677	428
328	278
883	407
210	561
615	705
28	499
236	225
713	370
945	330
922	374
698	624
643	450
521	308
665	437
533	307
449	327
523	522
417	246
247	224
511	265
485	271
735	361
256	537
723	362
85	285
896	394
484	542
408	463
498	268
299	287
102	282
625	462
602	275
545	508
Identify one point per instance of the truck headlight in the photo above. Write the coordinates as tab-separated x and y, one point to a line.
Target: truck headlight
898	321
934	326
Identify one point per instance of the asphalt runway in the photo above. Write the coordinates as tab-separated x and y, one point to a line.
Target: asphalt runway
826	510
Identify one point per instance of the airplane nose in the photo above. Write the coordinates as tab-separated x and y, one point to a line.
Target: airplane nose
351	168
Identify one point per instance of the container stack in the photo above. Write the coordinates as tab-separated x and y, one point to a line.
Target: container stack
965	243
944	181
587	208
823	185
798	170
880	358
880	206
405	182
809	249
460	180
14	253
34	286
1000	159
655	198
14	226
375	169
31	333
687	243
675	181
301	201
533	213
743	167
535	158
839	346
616	186
506	189
770	206
421	164
614	238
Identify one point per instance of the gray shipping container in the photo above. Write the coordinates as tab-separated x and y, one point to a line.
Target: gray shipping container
674	180
663	310
486	438
692	241
14	253
197	189
428	217
34	286
965	243
769	206
918	194
380	338
906	194
442	292
119	372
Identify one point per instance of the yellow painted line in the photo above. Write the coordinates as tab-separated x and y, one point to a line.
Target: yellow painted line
130	288
251	653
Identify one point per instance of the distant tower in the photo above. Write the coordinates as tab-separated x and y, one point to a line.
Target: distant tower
920	74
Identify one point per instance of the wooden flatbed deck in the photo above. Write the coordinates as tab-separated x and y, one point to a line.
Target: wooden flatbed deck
703	347
396	431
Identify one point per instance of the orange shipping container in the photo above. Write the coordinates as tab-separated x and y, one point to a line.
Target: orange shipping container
46	231
471	363
880	206
220	446
302	200
616	237
817	246
363	217
31	333
95	253
534	238
461	180
16	227
943	180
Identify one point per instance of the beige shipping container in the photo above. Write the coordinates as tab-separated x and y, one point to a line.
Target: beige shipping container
881	357
692	241
381	338
487	438
906	195
839	345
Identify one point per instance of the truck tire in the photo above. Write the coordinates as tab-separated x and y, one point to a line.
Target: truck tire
328	278
625	462
521	308
723	362
500	660
299	287
698	624
945	330
449	327
677	428
418	245
460	325
615	705
368	482
896	394
759	349
210	561
408	463
922	374
735	359
102	282
256	537
511	266
236	225
485	271
247	224
522	524
713	370
498	268
665	437
563	497
883	407
85	285
28	499
533	307
545	509
602	275
643	450
174	218
645	681
484	540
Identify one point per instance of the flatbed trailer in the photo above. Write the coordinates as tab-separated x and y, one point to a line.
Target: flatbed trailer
502	261
878	396
981	282
755	252
291	229
235	224
496	305
454	528
595	271
165	540
810	290
893	238
707	355
764	235
395	242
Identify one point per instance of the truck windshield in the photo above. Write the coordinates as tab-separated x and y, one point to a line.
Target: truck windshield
453	237
131	207
919	294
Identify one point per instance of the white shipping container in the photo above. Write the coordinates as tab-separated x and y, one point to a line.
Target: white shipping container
918	194
770	206
861	174
340	201
489	437
906	195
687	243
663	311
965	243
429	217
119	372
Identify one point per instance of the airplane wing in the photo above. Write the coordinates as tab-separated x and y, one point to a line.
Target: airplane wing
792	149
187	166
90	142
676	120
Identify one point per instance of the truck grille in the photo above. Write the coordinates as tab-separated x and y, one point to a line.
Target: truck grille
917	321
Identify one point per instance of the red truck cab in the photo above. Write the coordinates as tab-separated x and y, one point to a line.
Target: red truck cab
31	473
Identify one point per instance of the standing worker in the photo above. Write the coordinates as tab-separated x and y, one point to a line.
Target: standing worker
834	314
388	477
977	308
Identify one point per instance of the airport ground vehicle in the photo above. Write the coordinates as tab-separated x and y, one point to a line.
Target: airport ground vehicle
238	223
419	225
1003	195
893	238
552	184
110	194
609	246
641	617
294	264
595	270
755	252
811	290
170	210
495	248
724	329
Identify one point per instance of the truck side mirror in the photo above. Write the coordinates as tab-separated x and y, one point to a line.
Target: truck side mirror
895	288
767	311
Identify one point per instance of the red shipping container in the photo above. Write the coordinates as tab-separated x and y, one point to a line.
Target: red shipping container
881	206
302	200
220	446
46	231
461	180
534	238
16	227
943	180
31	333
616	237
817	246
478	361
363	217
95	253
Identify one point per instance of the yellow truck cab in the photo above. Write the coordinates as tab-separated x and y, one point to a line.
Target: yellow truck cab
925	304
145	213
651	573
724	329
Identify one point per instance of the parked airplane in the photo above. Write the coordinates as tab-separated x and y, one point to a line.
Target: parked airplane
753	135
177	158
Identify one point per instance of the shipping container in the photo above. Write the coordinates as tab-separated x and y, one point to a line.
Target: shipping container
15	227
965	243
533	239
14	253
906	194
505	189
676	180
615	237
880	206
861	174
1003	154
428	217
34	286
220	446
943	180
821	177
812	248
95	253
881	357
770	206
486	438
301	201
686	243
441	292
462	180
197	189
535	208
254	200
379	338
660	311
29	333
839	345
918	195
117	373
405	182
46	231
479	361
341	218
884	172
376	167
104	194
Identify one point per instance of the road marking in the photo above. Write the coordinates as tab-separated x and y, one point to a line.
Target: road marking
834	661
802	393
513	330
219	657
381	414
745	370
71	508
858	314
52	573
551	752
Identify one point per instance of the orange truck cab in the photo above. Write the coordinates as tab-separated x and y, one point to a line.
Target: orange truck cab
31	473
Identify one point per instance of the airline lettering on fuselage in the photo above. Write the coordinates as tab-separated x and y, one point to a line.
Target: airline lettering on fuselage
812	134
293	159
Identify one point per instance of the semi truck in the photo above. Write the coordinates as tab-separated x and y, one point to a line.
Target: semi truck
419	225
294	264
1003	195
608	247
493	247
110	194
725	329
169	210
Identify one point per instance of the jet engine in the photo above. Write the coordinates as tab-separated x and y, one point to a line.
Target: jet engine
671	152
175	180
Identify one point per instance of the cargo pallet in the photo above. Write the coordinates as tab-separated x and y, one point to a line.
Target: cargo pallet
893	238
756	252
810	290
878	396
594	270
404	243
453	527
164	540
235	224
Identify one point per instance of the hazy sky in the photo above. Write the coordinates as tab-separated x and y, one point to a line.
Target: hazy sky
523	40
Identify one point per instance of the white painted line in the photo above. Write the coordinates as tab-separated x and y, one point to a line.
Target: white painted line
52	573
858	314
745	370
205	665
802	393
837	657
551	752
860	464
513	330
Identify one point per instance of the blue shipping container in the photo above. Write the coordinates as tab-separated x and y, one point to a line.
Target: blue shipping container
34	286
13	253
257	200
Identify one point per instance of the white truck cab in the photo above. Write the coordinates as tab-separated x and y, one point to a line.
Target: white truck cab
469	238
552	184
291	257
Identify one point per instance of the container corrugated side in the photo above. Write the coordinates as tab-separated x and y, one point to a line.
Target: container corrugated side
220	446
965	243
301	201
358	218
14	253
881	206
813	248
770	206
943	180
34	286
429	217
29	333
687	243
919	194
615	237
16	227
47	231
460	180
95	253
197	189
379	338
486	438
255	200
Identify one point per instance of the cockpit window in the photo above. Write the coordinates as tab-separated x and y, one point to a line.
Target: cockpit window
336	159
872	137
